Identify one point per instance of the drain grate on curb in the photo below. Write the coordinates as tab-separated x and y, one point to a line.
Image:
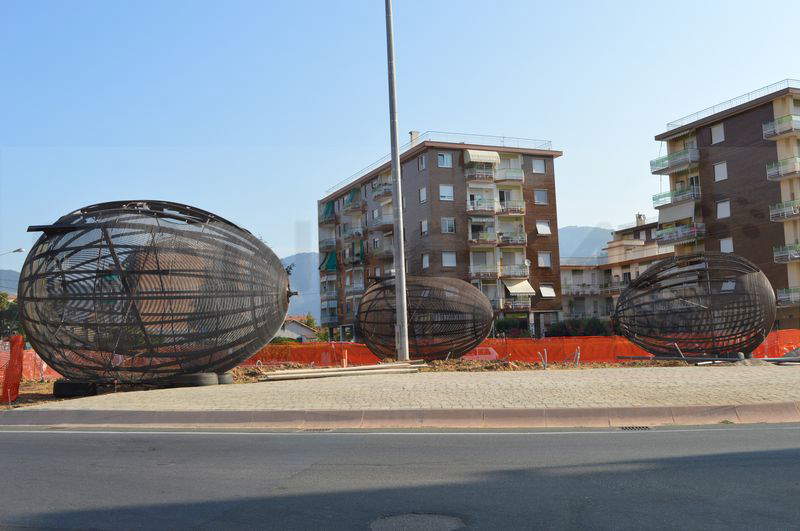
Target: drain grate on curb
634	428
316	430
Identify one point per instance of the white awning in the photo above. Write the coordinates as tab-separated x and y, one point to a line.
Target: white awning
543	227
547	292
474	155
676	212
519	287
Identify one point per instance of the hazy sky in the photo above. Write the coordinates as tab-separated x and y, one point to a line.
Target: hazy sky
253	109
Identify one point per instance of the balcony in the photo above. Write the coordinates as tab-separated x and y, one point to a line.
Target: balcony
383	251
580	289
383	191
692	193
483	238
353	232
483	206
614	286
479	174
784	211
327	244
783	169
675	162
353	205
484	271
681	234
509	174
788	297
328	294
514	271
385	222
328	317
326	218
517	304
353	260
511	208
784	126
512	238
354	289
786	253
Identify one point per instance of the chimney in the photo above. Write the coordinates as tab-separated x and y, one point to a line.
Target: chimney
641	219
414	137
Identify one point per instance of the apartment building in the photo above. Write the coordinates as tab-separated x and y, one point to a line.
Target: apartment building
590	286
478	208
733	175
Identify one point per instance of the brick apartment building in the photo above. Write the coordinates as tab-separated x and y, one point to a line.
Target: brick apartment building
590	286
734	186
482	209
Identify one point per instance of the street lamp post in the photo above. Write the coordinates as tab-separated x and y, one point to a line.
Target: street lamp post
401	327
18	250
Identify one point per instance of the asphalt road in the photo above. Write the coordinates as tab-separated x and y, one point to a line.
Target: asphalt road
726	477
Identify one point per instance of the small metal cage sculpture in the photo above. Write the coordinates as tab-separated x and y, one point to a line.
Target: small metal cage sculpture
142	291
706	305
447	317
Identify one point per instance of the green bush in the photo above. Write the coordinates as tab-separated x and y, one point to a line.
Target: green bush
591	326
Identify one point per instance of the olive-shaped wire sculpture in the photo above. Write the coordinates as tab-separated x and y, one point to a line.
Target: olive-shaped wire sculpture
701	305
447	317
143	291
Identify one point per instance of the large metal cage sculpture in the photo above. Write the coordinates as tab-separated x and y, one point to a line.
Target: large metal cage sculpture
142	291
705	305
447	317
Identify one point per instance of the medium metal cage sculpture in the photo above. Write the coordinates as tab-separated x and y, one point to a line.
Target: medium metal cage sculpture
447	317
142	291
706	305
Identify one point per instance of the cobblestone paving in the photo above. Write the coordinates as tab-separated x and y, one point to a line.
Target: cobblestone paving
648	386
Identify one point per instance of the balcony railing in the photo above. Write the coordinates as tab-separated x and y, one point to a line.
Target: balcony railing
327	243
384	251
352	232
782	169
783	211
512	239
483	237
692	193
785	125
383	191
681	234
517	304
476	271
353	259
614	286
511	207
514	271
479	174
352	289
509	174
786	253
328	294
327	217
481	205
788	297
675	161
580	289
353	204
328	317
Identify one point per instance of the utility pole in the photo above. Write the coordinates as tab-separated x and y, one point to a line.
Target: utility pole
401	326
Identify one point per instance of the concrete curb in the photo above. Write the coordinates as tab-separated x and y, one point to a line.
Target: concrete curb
776	412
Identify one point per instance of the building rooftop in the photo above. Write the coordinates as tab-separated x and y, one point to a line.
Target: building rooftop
729	107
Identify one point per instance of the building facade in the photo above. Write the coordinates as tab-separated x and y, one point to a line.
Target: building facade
733	175
482	209
590	286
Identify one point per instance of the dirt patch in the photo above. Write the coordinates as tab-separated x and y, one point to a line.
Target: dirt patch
505	365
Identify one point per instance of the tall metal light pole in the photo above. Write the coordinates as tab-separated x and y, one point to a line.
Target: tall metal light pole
401	327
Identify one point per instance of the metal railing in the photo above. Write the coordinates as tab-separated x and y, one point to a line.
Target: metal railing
691	193
454	138
353	204
581	289
383	190
483	271
644	221
327	317
780	169
783	211
514	271
327	243
584	260
385	219
481	205
785	124
786	253
788	297
744	98
327	217
509	174
614	286
681	233
383	251
479	174
483	236
511	207
513	238
353	259
354	288
328	294
675	160
353	232
516	304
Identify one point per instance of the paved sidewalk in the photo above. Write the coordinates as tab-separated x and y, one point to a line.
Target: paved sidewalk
595	388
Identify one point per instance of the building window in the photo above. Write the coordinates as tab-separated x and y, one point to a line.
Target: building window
423	227
653	232
376	213
425	261
543	227
448	225
723	209
377	271
720	171
726	245
547	291
637	235
423	195
540	197
543	258
538	165
376	243
444	160
717	133
421	162
445	192
448	258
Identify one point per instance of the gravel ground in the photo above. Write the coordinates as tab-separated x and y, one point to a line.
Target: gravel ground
612	387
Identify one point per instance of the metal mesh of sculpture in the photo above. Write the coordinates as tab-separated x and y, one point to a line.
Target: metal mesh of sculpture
141	291
707	305
447	317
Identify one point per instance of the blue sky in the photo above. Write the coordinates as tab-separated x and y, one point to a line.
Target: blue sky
253	109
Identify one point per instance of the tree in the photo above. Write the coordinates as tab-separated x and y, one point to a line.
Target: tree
9	316
580	327
310	321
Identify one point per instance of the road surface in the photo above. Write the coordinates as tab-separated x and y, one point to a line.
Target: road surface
711	478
